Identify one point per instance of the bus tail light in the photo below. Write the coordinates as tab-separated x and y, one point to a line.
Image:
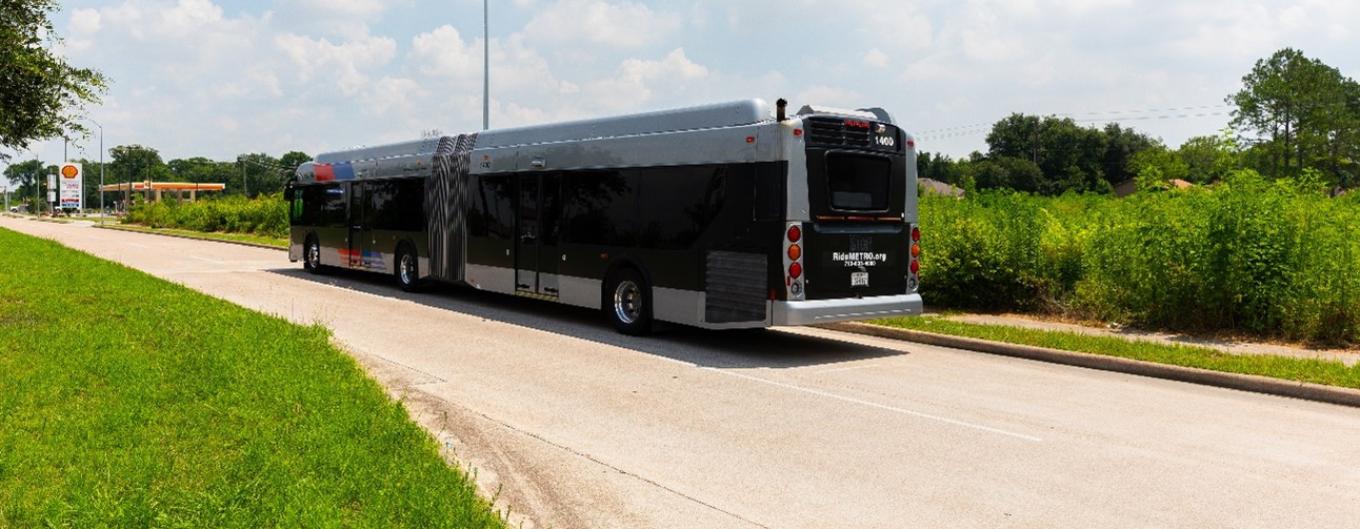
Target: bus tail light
793	262
914	278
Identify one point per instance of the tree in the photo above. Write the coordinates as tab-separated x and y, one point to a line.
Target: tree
1070	157
292	159
1121	145
41	96
22	176
1006	173
135	163
1209	158
1156	168
1299	113
202	170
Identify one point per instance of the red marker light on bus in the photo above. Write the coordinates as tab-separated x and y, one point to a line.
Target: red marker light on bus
915	267
916	234
795	234
797	133
750	139
796	270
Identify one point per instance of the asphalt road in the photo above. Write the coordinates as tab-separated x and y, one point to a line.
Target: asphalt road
579	427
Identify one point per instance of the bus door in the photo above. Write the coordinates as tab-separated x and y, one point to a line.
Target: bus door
537	253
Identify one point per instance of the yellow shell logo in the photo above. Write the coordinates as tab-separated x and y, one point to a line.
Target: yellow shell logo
69	171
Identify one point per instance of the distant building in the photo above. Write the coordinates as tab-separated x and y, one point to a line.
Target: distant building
1130	186
1125	188
936	187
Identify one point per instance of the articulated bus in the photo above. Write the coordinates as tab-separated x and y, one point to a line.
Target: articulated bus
734	215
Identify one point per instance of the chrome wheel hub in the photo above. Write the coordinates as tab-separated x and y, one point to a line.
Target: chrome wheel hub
407	268
628	302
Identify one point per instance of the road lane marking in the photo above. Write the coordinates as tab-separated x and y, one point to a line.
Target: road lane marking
876	405
847	368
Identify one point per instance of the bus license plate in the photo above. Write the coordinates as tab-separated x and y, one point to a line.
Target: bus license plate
859	279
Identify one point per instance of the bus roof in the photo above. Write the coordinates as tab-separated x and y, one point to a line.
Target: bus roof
717	115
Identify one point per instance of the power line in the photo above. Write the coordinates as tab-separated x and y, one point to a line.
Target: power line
1092	116
972	130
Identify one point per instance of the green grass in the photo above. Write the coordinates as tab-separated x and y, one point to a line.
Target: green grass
127	401
266	240
1287	368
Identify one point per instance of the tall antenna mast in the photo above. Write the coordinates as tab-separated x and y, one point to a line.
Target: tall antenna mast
486	67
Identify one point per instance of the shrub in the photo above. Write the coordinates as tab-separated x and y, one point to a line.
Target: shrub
1271	258
266	215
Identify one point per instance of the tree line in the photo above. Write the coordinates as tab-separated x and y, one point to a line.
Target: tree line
251	174
1294	116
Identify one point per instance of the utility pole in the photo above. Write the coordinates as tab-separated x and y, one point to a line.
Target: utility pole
486	67
245	184
101	170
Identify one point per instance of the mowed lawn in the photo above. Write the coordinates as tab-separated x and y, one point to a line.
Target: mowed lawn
128	401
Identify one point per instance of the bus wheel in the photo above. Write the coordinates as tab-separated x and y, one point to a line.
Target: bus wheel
311	256
628	302
408	269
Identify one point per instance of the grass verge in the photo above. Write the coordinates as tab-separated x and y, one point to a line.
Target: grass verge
1296	369
263	240
128	401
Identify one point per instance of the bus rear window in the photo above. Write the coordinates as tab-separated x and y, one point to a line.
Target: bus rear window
858	182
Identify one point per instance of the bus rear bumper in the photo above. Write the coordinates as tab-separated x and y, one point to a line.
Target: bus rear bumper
833	310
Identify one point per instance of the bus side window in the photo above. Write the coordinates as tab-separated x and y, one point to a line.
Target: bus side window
600	207
497	196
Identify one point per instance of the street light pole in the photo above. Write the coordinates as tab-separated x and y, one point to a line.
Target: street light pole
486	67
101	170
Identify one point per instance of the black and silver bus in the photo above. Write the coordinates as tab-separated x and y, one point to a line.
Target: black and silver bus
733	215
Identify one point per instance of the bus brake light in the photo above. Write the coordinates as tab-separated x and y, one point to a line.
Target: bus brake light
916	234
796	270
915	267
795	234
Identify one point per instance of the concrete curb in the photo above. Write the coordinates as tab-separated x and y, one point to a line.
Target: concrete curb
178	236
1253	383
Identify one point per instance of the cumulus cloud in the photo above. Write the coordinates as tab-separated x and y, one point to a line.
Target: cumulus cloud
322	74
624	24
85	21
345	62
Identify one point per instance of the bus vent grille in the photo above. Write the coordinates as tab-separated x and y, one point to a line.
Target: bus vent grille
735	287
833	132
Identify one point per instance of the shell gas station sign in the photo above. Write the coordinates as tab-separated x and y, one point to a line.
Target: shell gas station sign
71	185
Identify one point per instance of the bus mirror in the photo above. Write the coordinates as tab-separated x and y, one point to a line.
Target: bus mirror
288	193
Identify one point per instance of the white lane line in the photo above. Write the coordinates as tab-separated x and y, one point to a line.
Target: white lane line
847	368
876	405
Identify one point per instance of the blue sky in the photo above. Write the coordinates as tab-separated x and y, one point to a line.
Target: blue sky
216	78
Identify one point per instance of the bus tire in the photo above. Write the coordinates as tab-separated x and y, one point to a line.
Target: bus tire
407	268
311	255
628	302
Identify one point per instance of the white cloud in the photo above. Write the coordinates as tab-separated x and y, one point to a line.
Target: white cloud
637	81
346	63
343	7
624	24
85	20
876	58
